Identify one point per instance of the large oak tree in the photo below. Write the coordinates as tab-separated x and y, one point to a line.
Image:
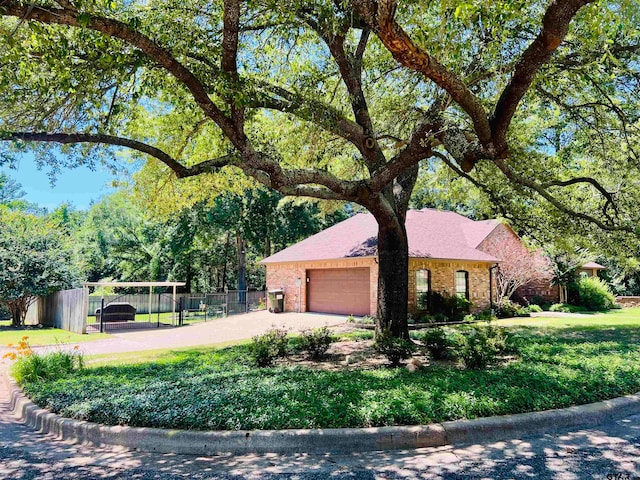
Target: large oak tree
340	100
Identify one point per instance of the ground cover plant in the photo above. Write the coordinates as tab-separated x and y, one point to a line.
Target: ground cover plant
552	363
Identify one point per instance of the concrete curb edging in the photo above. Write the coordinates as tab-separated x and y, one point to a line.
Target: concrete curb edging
317	440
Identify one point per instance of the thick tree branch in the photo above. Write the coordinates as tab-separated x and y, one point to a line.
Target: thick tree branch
380	18
230	36
269	172
308	109
313	191
74	138
555	25
418	148
229	61
574	181
117	29
542	191
351	76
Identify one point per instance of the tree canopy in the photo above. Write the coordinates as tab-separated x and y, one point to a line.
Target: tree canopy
534	102
35	260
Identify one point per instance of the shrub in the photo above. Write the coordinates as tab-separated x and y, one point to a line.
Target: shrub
559	307
265	349
437	318
478	346
594	294
452	307
369	320
48	366
316	342
507	309
436	343
566	308
469	318
394	348
485	316
534	308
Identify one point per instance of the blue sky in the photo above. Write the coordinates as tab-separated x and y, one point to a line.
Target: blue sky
77	186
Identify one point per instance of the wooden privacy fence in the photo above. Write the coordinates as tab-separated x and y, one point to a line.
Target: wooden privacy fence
67	309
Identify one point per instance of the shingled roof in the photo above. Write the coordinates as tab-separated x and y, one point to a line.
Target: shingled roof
432	233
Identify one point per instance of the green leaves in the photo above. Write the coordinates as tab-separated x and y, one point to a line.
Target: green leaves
84	19
35	259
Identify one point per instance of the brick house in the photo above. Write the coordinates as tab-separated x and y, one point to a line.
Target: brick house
336	271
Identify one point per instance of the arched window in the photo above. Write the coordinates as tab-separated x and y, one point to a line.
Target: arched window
423	287
462	283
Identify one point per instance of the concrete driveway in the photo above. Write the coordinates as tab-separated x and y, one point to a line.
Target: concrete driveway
232	328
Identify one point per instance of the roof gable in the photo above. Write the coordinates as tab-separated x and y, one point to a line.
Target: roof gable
432	234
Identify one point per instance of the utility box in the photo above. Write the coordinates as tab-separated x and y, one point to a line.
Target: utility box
276	301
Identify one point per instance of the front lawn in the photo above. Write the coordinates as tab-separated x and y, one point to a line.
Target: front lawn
559	362
44	336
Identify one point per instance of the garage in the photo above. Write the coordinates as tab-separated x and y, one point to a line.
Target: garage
341	291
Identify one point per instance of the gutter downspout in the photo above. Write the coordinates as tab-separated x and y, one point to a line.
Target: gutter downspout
491	286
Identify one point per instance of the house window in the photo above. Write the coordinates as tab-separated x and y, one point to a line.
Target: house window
462	283
423	286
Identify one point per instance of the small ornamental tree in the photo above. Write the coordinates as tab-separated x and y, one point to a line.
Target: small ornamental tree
35	260
519	267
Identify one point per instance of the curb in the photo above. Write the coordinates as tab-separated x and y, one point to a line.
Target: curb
335	440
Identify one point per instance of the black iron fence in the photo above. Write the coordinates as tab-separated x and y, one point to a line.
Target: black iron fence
118	312
203	307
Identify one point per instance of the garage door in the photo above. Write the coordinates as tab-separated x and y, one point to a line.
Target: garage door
343	291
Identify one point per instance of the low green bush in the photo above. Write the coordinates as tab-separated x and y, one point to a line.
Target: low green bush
436	318
566	308
47	366
316	342
534	308
509	309
395	349
265	349
369	320
486	316
437	343
452	308
594	294
477	347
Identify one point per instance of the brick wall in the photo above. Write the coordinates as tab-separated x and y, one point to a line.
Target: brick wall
541	287
284	275
443	273
628	301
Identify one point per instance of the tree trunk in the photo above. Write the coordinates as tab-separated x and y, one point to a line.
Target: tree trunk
242	262
393	278
223	284
390	212
267	246
18	311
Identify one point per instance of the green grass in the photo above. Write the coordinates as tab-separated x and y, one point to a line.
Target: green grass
45	336
559	362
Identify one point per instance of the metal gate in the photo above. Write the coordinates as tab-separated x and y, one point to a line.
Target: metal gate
136	311
131	311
